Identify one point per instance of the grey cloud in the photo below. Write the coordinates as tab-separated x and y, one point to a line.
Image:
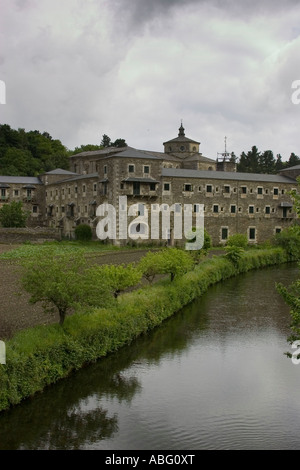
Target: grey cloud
139	12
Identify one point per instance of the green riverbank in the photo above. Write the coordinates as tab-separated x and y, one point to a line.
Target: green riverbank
40	356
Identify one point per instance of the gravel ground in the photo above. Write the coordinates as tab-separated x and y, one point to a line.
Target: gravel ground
16	313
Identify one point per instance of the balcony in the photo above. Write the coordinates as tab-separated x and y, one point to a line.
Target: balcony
139	187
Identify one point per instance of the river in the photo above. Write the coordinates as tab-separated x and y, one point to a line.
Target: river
214	376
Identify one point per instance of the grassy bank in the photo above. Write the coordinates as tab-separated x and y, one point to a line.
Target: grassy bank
40	356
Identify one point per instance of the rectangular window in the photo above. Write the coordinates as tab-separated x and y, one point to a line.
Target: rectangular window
259	190
16	192
146	169
3	192
209	188
95	187
224	233
131	168
152	186
188	187
83	188
215	208
252	233
227	189
34	209
196	208
275	191
105	169
251	209
268	210
233	209
166	186
277	230
244	189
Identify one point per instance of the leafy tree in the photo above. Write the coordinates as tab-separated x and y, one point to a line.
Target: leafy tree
119	277
64	283
85	148
13	215
30	153
149	265
106	141
173	261
119	143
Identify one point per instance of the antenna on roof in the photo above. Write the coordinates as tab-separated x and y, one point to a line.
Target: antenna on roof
224	155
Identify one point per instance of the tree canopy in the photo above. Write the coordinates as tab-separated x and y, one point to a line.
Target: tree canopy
264	162
30	153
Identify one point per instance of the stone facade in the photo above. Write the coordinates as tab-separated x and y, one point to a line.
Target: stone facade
28	190
254	204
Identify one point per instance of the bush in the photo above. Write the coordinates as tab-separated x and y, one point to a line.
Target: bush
234	253
13	215
83	232
238	239
289	240
42	355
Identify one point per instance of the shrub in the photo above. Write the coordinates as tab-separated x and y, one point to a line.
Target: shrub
234	253
13	215
83	232
289	240
238	239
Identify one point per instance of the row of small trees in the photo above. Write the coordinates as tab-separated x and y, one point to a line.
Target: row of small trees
65	283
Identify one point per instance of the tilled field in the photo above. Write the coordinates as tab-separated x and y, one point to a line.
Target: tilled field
16	313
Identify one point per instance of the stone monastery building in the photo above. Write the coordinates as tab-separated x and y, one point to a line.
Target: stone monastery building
257	205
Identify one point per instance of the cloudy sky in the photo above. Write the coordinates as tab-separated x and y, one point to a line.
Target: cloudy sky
133	69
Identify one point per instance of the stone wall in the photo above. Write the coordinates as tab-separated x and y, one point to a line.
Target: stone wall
21	235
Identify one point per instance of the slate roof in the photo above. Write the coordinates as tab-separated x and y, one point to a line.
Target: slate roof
29	180
60	171
78	177
225	175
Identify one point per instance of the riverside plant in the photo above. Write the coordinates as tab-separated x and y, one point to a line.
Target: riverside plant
43	355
